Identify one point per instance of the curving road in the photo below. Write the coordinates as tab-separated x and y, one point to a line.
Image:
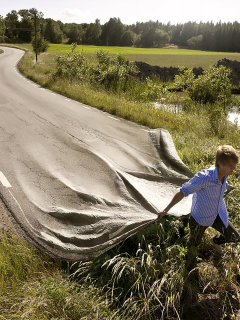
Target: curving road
75	179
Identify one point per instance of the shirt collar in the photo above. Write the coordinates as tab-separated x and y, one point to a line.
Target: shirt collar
215	175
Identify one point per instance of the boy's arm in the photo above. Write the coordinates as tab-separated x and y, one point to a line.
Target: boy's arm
177	198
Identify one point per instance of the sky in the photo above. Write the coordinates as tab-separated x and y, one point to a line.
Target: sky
130	11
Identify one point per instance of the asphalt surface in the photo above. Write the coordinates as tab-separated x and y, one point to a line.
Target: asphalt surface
74	179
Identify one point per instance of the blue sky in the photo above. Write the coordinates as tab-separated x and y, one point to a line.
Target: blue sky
130	11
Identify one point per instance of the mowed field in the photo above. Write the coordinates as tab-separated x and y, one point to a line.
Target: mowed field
162	57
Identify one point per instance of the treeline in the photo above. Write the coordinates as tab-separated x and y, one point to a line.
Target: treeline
18	26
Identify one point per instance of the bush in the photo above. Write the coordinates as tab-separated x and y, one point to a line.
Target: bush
74	65
195	42
212	86
42	44
116	74
236	89
113	71
209	94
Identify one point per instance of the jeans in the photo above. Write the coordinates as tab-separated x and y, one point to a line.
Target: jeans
229	234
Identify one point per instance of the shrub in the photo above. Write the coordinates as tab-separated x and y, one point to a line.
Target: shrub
212	86
113	71
209	93
42	44
73	65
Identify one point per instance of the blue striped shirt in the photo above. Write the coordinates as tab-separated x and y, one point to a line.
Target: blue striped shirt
207	201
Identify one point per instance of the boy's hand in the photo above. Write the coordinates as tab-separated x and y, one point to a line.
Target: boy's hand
161	214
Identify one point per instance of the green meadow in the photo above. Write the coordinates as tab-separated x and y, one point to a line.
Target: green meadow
61	48
162	57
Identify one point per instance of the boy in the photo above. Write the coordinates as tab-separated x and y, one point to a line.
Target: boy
208	207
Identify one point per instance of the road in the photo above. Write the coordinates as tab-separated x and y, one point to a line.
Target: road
77	180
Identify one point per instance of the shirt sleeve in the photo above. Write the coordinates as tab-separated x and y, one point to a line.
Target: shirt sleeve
193	185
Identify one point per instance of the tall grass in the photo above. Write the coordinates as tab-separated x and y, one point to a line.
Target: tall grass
17	261
34	286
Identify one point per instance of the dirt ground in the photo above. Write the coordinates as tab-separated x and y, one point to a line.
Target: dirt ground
6	225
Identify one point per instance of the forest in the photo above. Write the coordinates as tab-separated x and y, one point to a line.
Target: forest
19	27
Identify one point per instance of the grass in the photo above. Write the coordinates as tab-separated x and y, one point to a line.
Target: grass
156	57
63	48
34	286
152	275
189	61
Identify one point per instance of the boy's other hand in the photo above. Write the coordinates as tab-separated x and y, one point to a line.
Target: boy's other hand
161	214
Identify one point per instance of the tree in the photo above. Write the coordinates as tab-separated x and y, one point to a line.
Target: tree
161	38
61	24
147	38
112	32
20	24
2	29
195	42
127	38
208	36
92	33
217	39
12	25
24	13
189	30
75	33
52	32
176	33
26	27
137	40
42	44
154	38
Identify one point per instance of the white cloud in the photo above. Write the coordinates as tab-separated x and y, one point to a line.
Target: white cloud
85	16
69	13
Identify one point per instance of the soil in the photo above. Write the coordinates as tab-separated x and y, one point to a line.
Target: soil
168	73
6	225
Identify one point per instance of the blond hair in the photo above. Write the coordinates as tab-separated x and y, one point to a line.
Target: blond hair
225	154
